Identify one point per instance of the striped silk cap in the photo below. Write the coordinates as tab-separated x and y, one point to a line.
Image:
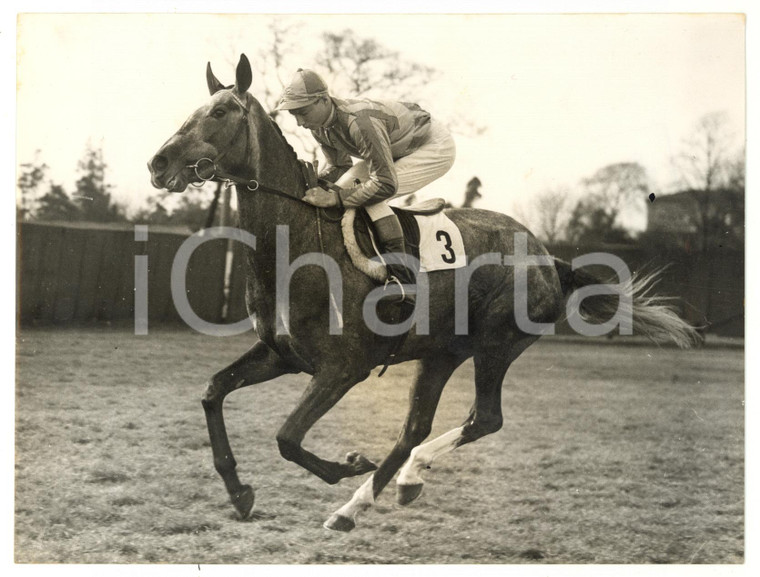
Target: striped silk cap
305	87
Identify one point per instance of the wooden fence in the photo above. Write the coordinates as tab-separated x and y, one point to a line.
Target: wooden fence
83	272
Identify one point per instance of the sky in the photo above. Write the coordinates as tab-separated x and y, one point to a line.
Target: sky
560	95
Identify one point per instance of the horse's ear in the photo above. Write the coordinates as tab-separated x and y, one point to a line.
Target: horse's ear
213	84
243	75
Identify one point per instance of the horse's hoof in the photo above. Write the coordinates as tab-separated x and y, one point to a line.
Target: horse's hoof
243	501
405	494
359	463
339	523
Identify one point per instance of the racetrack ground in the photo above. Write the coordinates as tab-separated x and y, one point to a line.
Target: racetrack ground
609	453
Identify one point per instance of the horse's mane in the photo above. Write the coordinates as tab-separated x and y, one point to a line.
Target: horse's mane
285	140
288	147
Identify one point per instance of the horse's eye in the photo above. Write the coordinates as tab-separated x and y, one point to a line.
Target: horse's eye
218	112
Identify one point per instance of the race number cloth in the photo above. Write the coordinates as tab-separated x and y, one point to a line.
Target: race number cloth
441	245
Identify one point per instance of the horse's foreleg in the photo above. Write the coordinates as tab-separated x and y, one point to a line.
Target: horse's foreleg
424	397
485	418
323	392
259	364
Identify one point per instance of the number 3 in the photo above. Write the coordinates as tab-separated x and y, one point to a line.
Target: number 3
450	257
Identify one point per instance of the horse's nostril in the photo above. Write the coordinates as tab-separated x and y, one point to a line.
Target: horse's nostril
158	163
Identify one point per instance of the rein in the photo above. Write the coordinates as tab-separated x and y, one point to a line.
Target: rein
217	175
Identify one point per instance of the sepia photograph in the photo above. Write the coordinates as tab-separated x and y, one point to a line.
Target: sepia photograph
383	288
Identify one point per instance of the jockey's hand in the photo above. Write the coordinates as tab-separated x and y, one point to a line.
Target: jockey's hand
320	197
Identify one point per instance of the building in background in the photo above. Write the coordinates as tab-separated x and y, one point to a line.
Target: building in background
698	220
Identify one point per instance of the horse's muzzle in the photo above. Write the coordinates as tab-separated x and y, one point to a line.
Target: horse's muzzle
161	178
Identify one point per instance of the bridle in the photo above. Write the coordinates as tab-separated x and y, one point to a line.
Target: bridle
254	185
209	166
220	176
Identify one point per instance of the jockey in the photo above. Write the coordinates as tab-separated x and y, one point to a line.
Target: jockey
399	146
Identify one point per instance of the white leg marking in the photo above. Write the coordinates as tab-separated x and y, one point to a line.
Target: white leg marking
425	454
362	500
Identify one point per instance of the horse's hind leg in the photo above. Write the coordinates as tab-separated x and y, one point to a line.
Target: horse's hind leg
259	364
423	401
485	418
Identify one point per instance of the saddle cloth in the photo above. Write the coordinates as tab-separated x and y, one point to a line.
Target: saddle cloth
430	235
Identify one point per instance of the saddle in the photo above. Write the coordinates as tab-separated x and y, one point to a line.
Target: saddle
359	236
360	243
365	234
358	233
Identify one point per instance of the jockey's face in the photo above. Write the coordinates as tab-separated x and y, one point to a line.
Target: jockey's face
314	115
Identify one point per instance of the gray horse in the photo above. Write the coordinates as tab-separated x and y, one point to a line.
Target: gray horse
232	138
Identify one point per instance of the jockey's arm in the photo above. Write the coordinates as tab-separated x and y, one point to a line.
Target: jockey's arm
337	164
375	146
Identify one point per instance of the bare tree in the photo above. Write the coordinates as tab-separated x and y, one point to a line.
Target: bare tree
359	65
551	207
276	63
617	185
736	169
351	64
279	54
609	191
612	188
714	174
713	178
703	161
546	213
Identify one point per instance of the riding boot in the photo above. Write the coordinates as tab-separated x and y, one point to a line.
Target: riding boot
396	254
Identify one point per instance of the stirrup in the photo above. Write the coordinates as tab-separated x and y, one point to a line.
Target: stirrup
392	279
405	297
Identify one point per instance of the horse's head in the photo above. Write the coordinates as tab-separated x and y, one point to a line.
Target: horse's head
215	134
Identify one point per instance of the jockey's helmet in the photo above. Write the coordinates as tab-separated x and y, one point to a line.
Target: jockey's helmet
305	87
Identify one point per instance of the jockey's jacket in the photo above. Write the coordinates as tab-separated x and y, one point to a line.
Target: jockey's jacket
379	132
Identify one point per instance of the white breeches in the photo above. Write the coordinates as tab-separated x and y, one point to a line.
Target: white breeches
429	162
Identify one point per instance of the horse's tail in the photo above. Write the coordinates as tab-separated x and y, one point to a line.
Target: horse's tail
652	315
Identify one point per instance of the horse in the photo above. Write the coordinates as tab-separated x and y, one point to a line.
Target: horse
232	138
